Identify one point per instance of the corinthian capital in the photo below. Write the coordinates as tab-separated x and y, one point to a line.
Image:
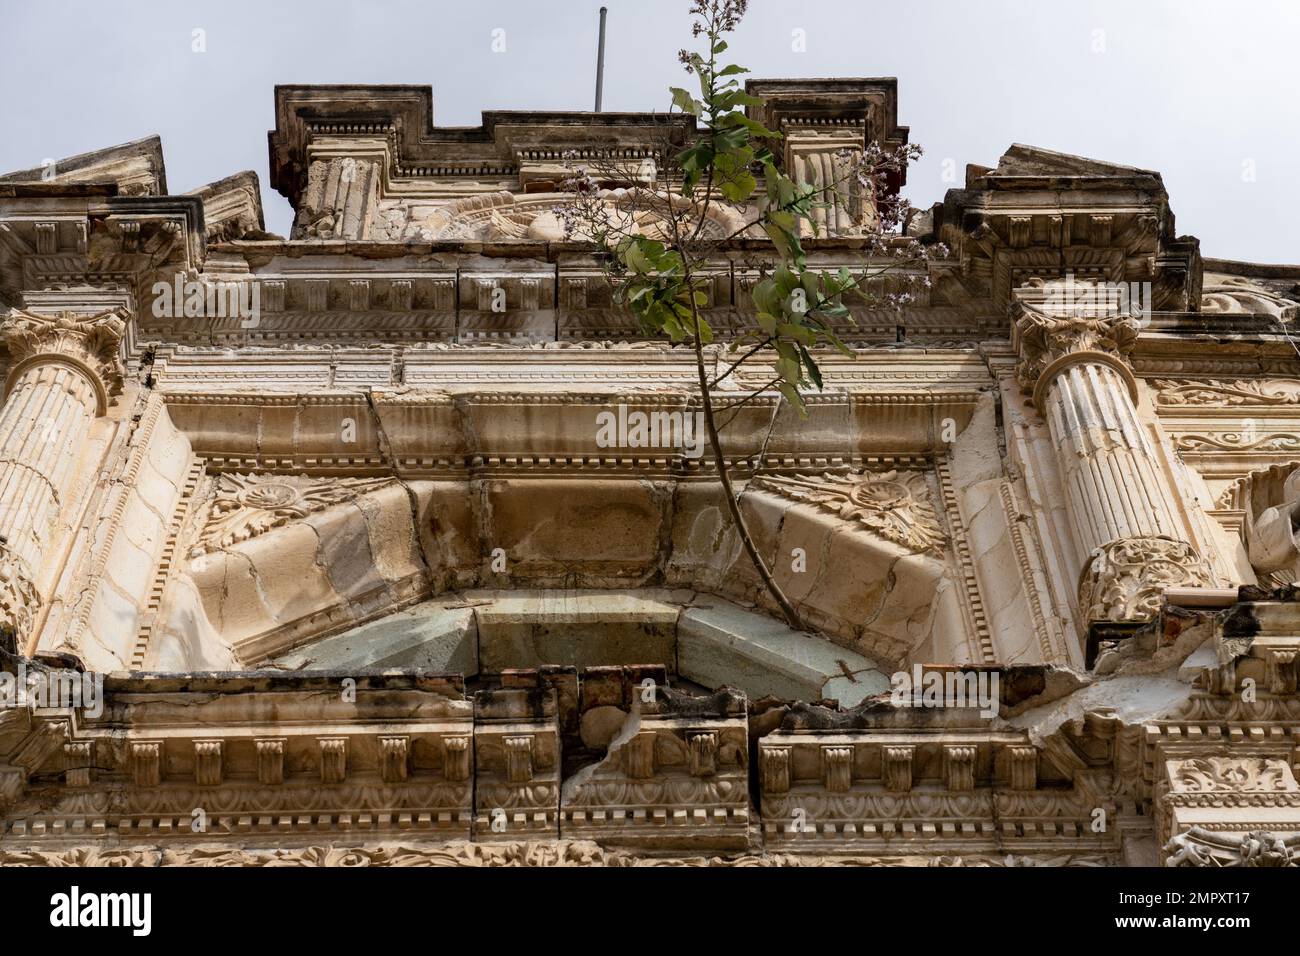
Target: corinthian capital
19	599
1064	322
87	342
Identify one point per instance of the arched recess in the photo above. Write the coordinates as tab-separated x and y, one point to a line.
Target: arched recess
279	564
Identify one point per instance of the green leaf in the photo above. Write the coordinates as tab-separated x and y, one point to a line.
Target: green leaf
637	260
786	281
685	102
814	373
766	298
793	397
740	187
785	220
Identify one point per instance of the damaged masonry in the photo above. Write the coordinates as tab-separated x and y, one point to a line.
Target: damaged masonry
415	553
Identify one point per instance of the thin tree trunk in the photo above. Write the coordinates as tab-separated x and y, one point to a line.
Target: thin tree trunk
791	615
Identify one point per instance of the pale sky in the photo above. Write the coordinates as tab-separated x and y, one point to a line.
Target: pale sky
1208	94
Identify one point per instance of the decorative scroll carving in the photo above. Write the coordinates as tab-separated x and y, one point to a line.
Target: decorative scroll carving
394	756
559	853
333	759
1124	580
1200	847
837	769
88	342
1022	767
247	505
1205	774
207	762
1171	391
1238	441
146	762
1216	810
893	505
1236	295
775	765
896	768
19	599
506	216
270	760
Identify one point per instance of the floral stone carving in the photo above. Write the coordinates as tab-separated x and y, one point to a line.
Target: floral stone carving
1124	580
893	505
247	505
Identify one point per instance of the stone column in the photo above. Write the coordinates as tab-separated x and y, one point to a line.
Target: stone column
1073	345
61	373
825	157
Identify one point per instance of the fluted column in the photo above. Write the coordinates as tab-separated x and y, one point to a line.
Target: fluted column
1073	344
62	370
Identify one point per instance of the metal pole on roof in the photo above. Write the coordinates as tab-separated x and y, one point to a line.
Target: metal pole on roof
600	60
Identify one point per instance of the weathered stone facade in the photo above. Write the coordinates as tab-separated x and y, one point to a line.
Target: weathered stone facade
332	516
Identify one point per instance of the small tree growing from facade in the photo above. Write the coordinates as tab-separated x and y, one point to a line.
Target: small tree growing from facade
657	231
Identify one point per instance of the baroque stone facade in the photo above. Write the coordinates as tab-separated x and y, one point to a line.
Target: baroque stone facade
323	530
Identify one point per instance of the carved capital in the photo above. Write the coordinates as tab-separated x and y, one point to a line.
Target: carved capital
19	599
1124	580
88	343
1063	323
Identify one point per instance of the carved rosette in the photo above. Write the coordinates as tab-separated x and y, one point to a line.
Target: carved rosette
89	343
1123	581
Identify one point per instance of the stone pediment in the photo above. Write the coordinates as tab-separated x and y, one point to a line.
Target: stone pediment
1032	162
135	168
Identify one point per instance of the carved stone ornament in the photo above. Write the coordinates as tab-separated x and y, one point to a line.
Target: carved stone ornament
247	505
1201	847
19	599
1236	295
1208	774
1050	337
87	342
555	853
1124	580
503	216
1228	393
893	505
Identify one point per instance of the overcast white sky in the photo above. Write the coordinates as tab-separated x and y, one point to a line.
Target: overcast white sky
1206	93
